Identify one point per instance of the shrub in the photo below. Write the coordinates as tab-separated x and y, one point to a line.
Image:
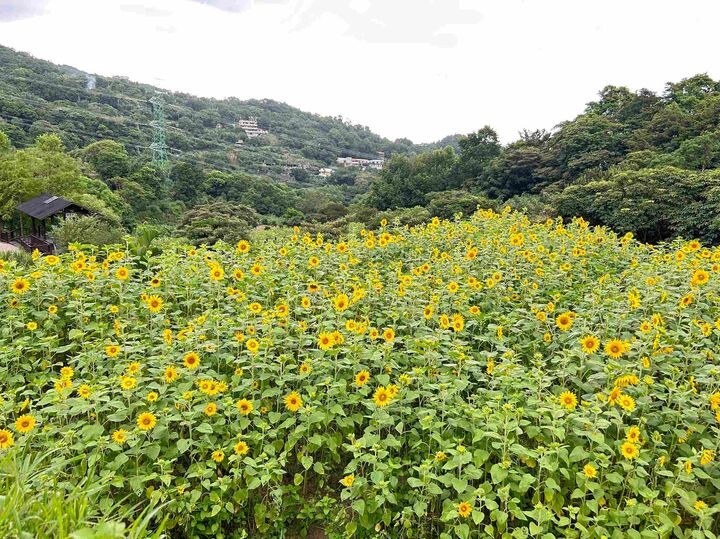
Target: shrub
88	230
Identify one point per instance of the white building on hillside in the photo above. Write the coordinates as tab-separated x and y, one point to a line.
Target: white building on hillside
251	128
361	163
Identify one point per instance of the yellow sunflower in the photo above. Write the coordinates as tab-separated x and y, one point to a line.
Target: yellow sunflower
6	439
590	344
146	421
615	348
381	397
154	304
341	302
241	448
293	402
242	247
388	334
633	434
25	423
20	286
191	360
127	382
589	471
120	436
362	378
629	450
626	402
325	341
170	374
252	345
564	321
244	406
217	273
568	400
464	509
348	480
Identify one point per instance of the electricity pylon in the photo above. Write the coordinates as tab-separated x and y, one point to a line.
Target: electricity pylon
158	146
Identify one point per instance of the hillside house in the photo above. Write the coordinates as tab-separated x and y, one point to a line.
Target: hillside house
361	163
250	126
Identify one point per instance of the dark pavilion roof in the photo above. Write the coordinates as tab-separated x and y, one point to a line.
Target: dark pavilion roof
45	205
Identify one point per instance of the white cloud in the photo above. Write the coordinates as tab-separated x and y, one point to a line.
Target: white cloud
11	10
415	68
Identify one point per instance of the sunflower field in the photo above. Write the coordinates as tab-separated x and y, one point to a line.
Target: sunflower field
486	377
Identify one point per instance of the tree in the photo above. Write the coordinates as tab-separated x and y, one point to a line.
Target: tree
209	223
46	168
300	175
590	141
108	158
89	229
188	181
404	181
476	152
445	204
4	143
519	169
343	176
667	128
632	109
689	92
655	204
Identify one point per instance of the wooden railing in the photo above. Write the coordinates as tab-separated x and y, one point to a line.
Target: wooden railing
32	242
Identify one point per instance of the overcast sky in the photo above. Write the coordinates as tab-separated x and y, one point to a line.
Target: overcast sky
420	69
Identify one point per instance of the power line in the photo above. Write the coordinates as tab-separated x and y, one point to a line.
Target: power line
122	121
185	154
129	123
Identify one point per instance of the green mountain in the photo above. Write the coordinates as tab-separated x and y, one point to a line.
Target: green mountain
39	97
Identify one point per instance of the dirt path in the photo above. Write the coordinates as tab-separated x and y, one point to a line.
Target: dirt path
7	247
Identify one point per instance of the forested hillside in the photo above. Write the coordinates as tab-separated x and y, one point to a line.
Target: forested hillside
38	97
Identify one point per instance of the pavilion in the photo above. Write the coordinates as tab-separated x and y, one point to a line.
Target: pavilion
43	210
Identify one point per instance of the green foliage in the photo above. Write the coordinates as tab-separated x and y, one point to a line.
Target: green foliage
537	207
445	204
476	152
45	168
108	157
108	132
22	259
86	230
37	500
656	203
4	143
212	222
188	180
404	181
144	240
519	169
635	161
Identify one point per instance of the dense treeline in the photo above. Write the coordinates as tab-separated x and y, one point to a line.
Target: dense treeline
124	191
635	161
